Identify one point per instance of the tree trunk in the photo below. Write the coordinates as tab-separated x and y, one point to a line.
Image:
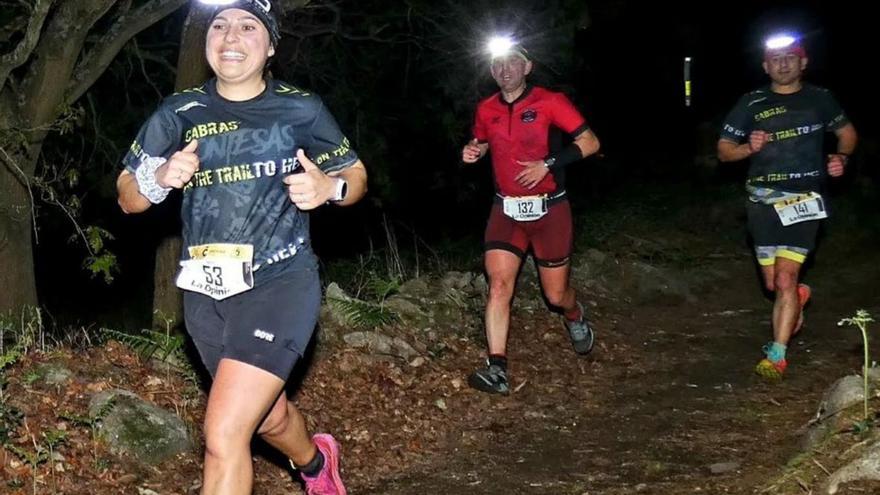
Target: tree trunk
192	70
17	281
57	73
167	298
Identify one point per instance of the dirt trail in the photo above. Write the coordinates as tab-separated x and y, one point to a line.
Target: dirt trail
667	394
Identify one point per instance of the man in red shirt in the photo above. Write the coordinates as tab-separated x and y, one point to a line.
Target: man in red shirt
531	207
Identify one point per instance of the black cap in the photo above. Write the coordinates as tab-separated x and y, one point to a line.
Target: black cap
262	9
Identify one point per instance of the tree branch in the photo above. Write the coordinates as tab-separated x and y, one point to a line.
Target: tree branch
22	52
124	28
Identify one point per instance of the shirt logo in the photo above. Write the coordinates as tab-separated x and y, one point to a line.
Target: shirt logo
529	116
190	105
759	100
260	334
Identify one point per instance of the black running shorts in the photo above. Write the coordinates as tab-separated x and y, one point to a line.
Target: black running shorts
268	326
772	239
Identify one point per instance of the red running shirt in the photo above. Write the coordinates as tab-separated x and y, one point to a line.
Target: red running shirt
519	131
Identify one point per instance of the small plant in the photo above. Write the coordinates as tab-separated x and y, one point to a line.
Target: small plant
151	344
10	419
43	451
363	313
861	320
382	288
93	423
23	332
100	260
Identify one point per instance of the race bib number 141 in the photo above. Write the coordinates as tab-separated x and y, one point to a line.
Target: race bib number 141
809	206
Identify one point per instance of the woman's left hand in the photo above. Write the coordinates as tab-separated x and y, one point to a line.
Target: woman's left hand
310	188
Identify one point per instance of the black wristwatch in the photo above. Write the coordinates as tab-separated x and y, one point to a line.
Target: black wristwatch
549	161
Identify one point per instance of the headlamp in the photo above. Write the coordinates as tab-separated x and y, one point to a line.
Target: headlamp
779	42
502	46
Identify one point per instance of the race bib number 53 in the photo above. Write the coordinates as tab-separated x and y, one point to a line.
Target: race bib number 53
218	270
804	207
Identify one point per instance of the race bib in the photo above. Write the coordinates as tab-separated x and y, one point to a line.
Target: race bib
218	270
804	207
526	208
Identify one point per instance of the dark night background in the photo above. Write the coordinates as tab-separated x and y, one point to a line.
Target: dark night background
403	79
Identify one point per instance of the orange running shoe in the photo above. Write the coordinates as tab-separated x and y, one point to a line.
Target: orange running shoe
803	292
771	370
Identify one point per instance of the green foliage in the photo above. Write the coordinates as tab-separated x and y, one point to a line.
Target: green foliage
151	344
70	118
92	422
96	236
100	261
20	333
104	264
9	357
362	313
10	419
382	288
51	439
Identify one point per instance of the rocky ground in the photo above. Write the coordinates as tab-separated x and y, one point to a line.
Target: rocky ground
666	404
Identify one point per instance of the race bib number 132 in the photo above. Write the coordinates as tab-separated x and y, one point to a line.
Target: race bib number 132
525	209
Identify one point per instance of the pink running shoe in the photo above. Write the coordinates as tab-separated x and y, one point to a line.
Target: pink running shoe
328	481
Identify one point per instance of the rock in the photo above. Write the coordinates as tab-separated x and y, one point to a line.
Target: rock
457	280
415	287
403	349
844	393
723	467
334	291
653	284
867	467
595	257
136	428
480	285
53	374
127	479
378	343
406	308
332	309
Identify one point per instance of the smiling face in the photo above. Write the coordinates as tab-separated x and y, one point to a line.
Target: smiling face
785	66
237	48
510	72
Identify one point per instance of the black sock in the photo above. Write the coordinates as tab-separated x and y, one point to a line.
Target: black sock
498	360
314	466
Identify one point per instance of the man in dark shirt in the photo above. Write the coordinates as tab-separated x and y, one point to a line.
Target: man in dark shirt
781	128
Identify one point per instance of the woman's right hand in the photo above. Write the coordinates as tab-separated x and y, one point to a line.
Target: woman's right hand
179	169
